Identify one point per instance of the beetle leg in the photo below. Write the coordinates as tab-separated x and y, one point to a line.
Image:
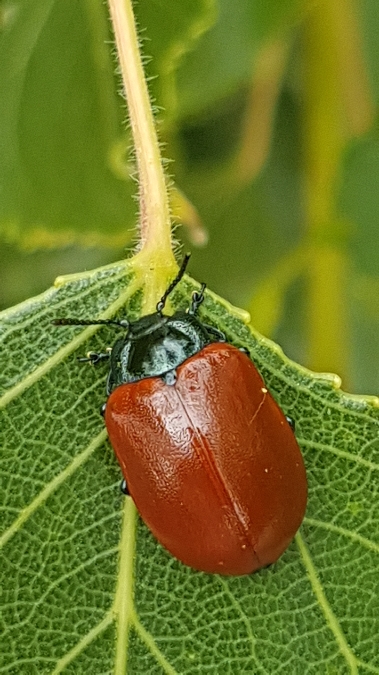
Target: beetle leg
244	350
124	487
102	409
291	422
109	386
218	334
169	377
94	358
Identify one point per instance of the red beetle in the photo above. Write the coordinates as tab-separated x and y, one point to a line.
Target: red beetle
208	457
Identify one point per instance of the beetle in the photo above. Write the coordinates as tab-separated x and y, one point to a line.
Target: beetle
207	455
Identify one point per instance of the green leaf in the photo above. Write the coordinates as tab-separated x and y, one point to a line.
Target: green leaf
359	201
225	55
359	204
60	129
65	165
85	585
369	19
172	30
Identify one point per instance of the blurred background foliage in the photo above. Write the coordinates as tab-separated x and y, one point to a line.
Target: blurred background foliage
268	116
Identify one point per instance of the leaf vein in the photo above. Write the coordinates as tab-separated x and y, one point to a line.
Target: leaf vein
83	643
149	641
339	453
237	605
65	351
329	615
124	596
53	485
372	546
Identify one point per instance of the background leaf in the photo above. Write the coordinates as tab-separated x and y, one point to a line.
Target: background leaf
226	54
66	157
61	124
63	517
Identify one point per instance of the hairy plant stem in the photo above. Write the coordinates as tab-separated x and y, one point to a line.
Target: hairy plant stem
155	258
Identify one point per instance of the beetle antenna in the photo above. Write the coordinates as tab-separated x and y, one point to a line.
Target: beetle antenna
179	276
124	323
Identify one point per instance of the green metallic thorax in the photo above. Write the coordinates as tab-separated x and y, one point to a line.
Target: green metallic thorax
155	345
